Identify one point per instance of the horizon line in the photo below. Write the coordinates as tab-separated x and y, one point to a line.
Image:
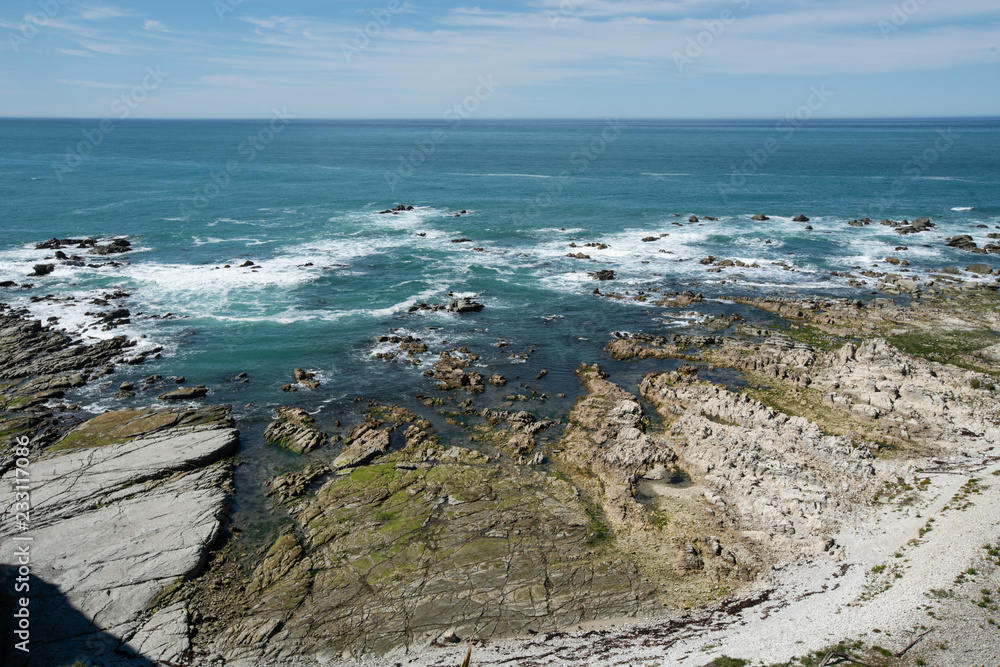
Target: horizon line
505	119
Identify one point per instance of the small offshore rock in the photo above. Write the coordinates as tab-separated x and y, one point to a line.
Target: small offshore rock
464	306
305	378
184	393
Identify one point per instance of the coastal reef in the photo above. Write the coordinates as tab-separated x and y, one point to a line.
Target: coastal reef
800	448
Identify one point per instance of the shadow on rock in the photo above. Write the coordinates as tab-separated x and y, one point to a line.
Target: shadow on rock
54	632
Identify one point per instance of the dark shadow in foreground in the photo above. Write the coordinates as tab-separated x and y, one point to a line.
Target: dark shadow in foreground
55	632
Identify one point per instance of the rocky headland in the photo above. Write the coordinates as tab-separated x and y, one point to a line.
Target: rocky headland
822	478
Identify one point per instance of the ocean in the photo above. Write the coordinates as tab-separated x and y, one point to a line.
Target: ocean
330	273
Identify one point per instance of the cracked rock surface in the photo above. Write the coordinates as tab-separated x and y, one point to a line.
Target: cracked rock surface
386	558
114	522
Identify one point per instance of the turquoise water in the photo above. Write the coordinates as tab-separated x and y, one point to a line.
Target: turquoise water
302	201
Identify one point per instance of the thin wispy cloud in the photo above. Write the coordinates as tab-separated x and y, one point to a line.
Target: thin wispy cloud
560	57
102	12
89	84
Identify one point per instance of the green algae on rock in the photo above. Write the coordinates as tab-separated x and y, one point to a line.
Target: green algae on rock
392	555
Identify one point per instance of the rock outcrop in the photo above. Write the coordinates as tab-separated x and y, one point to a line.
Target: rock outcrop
607	436
776	479
294	429
31	349
392	556
125	506
450	373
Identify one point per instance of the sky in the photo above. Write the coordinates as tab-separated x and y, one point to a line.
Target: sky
379	59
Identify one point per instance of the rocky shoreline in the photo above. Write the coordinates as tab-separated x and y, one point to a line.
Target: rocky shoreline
700	505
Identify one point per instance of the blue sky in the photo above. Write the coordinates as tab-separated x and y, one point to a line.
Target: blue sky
535	59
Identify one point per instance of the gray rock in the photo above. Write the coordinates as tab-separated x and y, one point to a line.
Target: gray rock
164	637
31	350
365	447
184	393
464	306
116	524
294	429
962	242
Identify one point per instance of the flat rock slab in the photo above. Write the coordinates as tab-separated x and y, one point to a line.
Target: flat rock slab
367	446
111	527
165	636
66	486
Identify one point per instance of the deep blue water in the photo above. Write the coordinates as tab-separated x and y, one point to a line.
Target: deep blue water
302	200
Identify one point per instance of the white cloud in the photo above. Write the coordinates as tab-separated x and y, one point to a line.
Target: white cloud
120	49
423	59
88	84
102	12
